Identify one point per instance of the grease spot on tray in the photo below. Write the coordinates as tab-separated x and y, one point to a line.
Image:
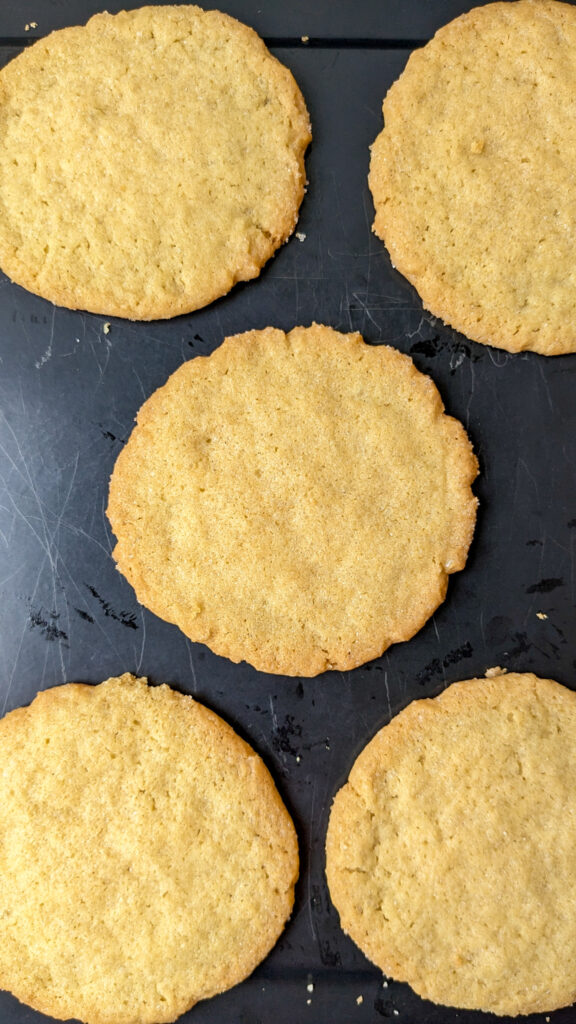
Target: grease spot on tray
47	626
127	619
84	615
545	586
432	347
283	737
436	666
110	436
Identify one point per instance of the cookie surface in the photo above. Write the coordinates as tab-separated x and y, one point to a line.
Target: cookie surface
147	860
150	160
451	850
295	500
472	176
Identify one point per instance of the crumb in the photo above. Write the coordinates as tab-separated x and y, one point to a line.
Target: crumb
26	28
308	1002
106	328
541	615
300	236
396	1013
360	1000
384	983
305	39
496	671
33	24
298	758
310	986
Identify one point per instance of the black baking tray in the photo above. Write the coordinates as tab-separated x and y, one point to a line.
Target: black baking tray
69	392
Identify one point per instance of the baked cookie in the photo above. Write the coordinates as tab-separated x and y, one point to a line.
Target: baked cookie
473	175
295	500
451	850
149	161
147	860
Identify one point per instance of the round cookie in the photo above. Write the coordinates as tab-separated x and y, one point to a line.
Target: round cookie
451	850
295	500
150	160
147	860
472	176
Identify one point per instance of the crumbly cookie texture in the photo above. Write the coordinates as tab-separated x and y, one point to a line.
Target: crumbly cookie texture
149	161
472	176
451	850
147	860
295	500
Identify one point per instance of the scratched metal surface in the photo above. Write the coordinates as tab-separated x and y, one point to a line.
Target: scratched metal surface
69	392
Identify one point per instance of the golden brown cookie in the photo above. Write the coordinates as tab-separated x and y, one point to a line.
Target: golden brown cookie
473	175
295	500
147	860
149	161
451	850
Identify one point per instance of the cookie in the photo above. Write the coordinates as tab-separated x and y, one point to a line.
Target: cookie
294	500
147	860
472	176
150	160
451	849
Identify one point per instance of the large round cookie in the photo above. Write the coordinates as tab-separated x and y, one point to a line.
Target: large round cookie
451	851
149	160
295	500
147	860
473	175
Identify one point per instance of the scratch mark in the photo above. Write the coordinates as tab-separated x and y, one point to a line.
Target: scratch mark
48	353
192	667
274	719
45	536
387	689
365	312
310	899
142	645
546	387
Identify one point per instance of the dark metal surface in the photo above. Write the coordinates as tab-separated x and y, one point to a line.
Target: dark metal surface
69	392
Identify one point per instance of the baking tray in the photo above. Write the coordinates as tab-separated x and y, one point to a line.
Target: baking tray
69	392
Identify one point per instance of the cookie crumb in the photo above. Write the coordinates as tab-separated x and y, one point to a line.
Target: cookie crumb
308	1002
304	39
496	671
106	328
298	758
541	615
300	236
384	983
360	1000
310	986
